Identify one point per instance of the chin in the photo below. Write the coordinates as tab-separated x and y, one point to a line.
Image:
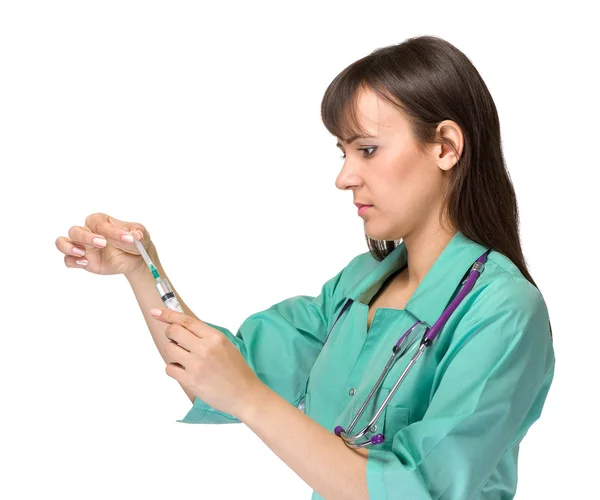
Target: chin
383	234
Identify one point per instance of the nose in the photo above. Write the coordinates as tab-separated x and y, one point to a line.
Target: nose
348	176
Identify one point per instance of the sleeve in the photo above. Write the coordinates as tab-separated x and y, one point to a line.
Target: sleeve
281	345
491	386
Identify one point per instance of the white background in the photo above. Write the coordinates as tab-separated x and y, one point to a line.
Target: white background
202	122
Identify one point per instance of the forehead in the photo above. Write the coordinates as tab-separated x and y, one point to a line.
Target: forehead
374	115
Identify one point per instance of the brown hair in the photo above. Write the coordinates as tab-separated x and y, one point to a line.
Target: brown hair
430	80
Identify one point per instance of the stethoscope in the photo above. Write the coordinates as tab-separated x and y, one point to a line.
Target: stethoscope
397	351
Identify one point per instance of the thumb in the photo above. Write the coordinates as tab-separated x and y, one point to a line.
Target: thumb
138	230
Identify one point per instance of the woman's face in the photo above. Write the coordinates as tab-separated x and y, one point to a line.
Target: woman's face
403	185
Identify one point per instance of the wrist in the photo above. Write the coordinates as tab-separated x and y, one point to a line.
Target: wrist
142	271
255	403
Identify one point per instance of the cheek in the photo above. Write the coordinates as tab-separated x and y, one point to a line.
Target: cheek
408	185
404	169
400	181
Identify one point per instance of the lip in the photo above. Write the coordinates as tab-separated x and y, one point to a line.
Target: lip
363	208
358	205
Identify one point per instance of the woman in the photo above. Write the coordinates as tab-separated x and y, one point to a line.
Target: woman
420	138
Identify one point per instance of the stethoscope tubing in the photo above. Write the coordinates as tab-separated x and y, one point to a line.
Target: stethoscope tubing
426	341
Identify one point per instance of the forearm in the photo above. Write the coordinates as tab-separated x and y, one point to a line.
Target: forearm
143	286
317	455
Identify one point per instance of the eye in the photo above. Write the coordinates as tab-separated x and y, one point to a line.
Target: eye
366	153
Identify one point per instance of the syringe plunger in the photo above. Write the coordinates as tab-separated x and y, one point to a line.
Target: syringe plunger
167	295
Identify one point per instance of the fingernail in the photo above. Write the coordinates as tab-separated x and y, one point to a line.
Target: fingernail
100	242
127	238
78	251
155	312
82	262
139	235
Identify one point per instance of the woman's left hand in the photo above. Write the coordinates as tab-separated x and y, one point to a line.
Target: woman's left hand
213	368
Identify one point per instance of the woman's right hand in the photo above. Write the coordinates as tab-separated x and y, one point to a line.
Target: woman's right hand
117	256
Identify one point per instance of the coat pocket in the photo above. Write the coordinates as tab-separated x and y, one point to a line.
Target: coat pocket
396	418
350	411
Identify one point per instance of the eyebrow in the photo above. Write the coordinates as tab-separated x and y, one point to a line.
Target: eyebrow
354	137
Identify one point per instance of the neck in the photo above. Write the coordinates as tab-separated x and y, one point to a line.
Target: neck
423	247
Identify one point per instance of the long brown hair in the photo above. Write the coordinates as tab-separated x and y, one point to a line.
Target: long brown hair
430	80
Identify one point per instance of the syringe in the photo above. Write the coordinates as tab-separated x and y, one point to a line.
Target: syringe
162	284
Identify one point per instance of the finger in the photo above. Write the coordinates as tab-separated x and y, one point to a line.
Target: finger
194	325
178	373
182	337
177	354
109	229
71	261
136	229
68	247
85	237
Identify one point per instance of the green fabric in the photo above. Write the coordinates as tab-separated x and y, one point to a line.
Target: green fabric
454	426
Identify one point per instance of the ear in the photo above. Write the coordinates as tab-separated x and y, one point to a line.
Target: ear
451	131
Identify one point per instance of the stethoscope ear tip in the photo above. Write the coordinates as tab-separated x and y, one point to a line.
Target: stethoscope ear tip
378	439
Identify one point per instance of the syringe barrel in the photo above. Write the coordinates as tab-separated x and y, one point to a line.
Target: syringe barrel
167	295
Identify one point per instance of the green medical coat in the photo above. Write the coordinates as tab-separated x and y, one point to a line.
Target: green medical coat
453	427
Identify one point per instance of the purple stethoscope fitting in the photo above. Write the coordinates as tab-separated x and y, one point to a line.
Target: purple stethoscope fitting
426	341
